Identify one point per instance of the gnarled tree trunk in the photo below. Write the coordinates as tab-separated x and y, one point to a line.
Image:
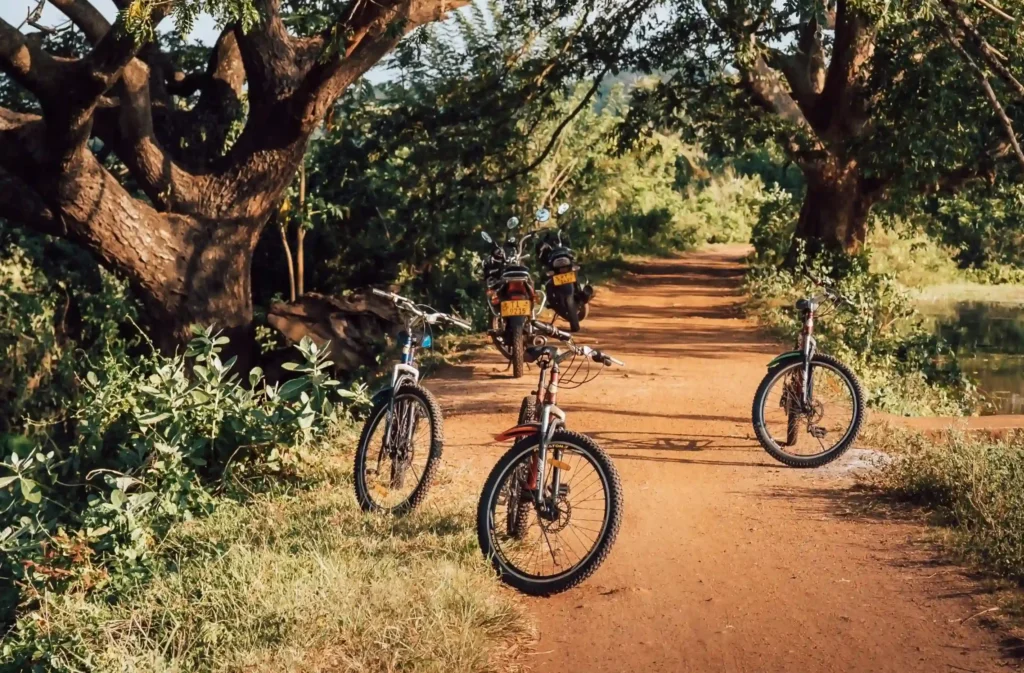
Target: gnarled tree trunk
835	210
187	246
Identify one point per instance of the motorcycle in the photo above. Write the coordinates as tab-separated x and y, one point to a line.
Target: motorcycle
569	297
512	297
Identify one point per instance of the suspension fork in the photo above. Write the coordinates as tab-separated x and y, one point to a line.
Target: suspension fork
809	348
547	429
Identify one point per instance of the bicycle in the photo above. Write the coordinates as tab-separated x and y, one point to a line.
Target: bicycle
801	384
570	512
396	482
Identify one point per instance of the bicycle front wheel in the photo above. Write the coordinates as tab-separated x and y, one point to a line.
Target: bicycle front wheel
815	431
548	549
399	451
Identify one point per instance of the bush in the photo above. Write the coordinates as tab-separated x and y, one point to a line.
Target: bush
151	444
975	484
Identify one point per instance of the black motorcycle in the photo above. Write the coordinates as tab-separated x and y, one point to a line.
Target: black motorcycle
568	296
512	297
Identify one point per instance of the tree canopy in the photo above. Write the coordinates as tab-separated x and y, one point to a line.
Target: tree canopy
873	101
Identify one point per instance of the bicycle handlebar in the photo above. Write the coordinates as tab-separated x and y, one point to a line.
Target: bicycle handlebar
551	331
431	318
828	291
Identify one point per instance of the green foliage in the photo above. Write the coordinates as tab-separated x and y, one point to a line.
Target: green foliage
974	483
403	181
58	310
154	438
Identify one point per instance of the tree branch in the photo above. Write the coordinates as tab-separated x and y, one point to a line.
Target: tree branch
555	135
28	64
993	100
88	19
766	85
854	45
983	47
372	30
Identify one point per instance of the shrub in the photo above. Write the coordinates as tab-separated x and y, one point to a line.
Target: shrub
976	485
153	439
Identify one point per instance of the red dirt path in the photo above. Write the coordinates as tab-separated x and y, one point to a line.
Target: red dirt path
726	561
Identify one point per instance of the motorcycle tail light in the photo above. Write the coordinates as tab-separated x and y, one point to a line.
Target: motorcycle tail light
560	262
516	286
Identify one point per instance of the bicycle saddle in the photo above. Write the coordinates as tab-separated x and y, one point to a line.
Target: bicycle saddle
533	353
811	304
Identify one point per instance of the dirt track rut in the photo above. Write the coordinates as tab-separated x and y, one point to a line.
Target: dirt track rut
726	561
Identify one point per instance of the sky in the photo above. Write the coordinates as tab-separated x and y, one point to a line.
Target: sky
15	11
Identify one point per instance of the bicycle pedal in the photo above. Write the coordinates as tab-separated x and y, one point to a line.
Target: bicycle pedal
817	431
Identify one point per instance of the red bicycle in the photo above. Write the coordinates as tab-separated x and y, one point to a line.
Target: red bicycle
551	507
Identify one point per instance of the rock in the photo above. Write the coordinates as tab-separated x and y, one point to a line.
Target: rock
355	327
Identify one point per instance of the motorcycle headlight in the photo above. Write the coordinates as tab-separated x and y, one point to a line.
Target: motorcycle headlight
560	262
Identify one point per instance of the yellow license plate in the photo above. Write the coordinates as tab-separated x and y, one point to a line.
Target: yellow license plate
565	278
515	307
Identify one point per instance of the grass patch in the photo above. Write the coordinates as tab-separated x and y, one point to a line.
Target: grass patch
972	484
299	580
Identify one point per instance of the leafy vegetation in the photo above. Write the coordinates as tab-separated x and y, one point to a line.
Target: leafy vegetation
974	484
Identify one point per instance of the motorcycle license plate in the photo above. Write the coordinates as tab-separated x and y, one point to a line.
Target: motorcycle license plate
515	307
564	278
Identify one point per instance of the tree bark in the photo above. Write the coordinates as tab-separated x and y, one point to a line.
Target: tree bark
187	248
835	210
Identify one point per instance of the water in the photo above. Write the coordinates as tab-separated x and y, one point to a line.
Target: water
989	339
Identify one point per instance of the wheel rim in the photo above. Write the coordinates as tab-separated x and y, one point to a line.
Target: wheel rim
540	551
820	428
394	468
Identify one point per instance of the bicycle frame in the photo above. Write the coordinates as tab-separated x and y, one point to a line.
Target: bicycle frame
551	419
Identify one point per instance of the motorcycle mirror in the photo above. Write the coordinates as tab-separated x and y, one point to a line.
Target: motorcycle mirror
513	222
487	237
563	209
543	215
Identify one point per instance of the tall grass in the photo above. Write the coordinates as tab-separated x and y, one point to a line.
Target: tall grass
975	484
298	580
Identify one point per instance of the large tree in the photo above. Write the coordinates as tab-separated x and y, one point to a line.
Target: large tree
169	175
873	101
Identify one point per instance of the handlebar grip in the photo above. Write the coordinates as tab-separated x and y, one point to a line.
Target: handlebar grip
551	331
381	293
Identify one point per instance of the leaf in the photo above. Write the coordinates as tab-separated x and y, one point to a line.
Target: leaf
117	498
200	396
255	375
92	379
290	366
142	499
221	341
30	491
290	388
150	419
7	481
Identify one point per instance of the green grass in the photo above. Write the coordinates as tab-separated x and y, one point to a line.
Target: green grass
301	580
972	484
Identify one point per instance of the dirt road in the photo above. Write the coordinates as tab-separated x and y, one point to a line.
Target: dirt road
726	561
